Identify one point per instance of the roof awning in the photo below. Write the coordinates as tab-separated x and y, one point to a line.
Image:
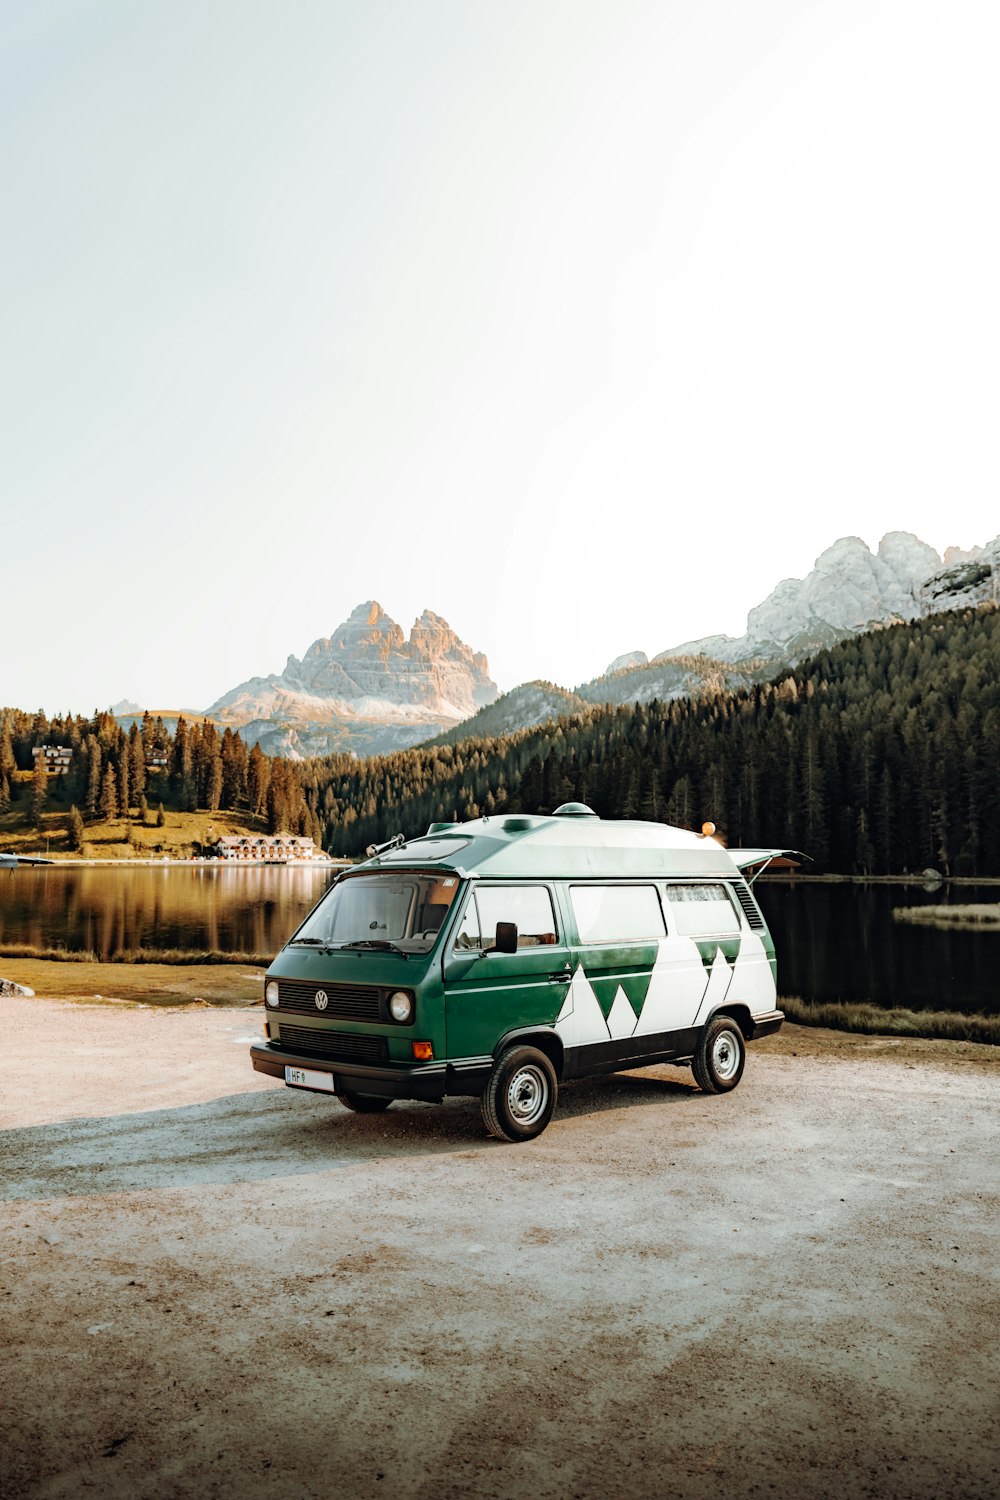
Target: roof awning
758	860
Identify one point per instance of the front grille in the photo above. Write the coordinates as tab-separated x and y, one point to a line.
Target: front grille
348	1002
342	1046
749	906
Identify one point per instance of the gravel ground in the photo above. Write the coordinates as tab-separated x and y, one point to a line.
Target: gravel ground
216	1286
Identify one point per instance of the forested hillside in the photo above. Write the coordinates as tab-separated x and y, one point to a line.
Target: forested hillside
118	775
878	755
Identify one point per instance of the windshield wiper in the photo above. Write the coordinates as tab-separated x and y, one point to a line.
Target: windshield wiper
375	945
313	942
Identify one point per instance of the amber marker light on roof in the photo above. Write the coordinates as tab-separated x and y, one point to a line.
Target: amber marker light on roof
707	829
423	1051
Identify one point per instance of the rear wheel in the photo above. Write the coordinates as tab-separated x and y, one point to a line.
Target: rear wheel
363	1104
521	1095
720	1056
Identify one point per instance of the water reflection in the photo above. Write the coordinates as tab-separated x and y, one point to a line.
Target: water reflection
106	908
839	943
834	942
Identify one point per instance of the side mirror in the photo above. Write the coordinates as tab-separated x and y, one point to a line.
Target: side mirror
506	939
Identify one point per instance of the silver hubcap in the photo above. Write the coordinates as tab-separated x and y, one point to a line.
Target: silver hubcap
527	1095
725	1055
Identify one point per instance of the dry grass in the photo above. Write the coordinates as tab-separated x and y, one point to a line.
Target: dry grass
182	956
943	1024
143	984
982	915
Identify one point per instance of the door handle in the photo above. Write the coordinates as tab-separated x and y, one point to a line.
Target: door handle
563	975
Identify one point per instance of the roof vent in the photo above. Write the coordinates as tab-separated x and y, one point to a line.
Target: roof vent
516	825
574	810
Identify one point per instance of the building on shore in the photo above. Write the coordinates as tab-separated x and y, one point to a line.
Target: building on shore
57	758
269	846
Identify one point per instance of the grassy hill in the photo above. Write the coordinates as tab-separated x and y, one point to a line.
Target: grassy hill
182	833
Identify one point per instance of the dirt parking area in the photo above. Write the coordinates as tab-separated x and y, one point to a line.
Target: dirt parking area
217	1286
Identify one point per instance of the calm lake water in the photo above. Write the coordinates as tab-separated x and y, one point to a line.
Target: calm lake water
839	942
834	942
105	909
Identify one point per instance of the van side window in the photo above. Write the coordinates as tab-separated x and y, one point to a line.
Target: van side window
701	910
617	913
530	906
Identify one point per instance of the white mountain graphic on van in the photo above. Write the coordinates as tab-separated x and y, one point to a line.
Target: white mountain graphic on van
685	983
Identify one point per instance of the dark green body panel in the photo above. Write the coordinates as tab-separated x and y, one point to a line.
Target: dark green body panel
490	994
421	975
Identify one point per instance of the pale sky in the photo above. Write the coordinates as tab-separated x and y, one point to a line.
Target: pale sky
579	323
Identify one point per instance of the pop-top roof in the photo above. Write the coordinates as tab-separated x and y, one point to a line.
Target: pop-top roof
565	847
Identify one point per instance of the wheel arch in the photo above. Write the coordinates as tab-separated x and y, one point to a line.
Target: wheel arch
545	1039
736	1012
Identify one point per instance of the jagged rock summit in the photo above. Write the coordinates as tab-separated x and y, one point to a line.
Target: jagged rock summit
850	588
626	662
366	686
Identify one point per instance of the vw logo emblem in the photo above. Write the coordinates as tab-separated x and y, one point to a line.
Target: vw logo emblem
322	999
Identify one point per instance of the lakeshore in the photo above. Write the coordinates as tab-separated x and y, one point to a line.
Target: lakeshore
842	958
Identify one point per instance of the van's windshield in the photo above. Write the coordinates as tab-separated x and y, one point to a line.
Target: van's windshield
404	913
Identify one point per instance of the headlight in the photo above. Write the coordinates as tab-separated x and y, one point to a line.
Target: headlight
271	992
401	1006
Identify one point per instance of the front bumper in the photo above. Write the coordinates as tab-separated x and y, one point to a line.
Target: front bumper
429	1081
767	1024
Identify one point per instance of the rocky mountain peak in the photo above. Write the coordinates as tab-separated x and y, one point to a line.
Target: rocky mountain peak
628	660
849	588
367	669
910	559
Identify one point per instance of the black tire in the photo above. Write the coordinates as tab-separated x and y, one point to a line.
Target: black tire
521	1095
720	1056
363	1104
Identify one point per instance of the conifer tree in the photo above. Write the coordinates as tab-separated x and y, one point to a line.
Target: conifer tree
74	831
136	763
39	790
124	800
182	767
234	769
213	791
258	777
109	795
7	761
93	776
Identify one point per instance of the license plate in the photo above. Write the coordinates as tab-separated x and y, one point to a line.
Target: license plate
308	1078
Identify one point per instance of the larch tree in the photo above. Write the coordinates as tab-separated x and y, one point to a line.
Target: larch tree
39	790
109	794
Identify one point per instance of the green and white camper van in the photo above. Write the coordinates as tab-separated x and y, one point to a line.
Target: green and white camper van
499	957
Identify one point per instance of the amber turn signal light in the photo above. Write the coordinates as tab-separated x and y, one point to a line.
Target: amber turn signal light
423	1051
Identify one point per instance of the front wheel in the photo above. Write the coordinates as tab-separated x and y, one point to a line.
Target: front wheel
521	1094
720	1056
363	1104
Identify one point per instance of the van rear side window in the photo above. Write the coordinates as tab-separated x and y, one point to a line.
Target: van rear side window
701	910
617	913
